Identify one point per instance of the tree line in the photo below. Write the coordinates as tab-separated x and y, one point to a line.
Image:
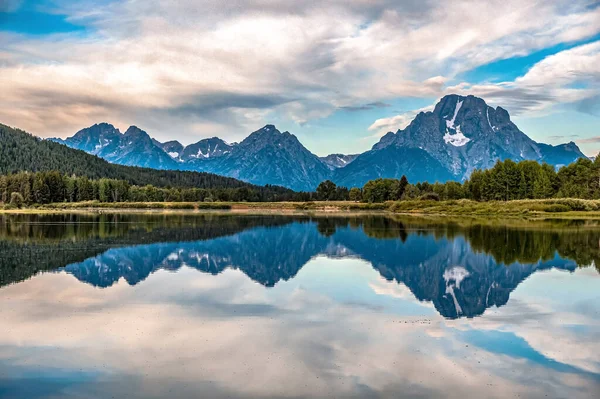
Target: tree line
506	180
24	188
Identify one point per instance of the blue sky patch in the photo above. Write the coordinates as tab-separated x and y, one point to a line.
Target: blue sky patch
36	18
507	343
511	68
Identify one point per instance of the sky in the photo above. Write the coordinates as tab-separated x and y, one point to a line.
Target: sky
338	74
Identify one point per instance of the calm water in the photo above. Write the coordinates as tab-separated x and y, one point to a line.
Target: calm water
173	306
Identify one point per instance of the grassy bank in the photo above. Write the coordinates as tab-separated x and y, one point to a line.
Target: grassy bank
200	206
137	205
564	206
554	207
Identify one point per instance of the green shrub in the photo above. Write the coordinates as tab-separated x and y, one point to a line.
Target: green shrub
16	200
430	197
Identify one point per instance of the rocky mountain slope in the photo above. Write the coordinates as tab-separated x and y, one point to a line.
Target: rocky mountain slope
460	135
132	148
173	148
204	150
269	156
335	161
21	151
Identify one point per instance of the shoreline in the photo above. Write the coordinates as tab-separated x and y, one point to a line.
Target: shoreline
556	208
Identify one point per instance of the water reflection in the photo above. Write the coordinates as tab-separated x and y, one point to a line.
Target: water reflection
296	306
462	269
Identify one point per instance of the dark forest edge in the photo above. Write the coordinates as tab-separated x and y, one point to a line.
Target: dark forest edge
508	187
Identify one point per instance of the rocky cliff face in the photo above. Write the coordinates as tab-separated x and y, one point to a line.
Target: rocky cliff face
266	156
172	148
206	149
335	161
94	138
269	156
133	148
460	135
137	149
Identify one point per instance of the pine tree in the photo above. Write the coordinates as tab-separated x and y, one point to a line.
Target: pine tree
26	191
541	186
3	188
522	193
41	192
401	187
512	179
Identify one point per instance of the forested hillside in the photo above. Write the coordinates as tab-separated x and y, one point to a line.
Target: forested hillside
20	151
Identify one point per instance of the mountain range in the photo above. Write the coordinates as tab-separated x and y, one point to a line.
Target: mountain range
461	134
23	152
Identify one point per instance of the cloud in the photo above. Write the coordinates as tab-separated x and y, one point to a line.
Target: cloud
171	66
590	105
589	140
365	107
563	137
568	77
391	124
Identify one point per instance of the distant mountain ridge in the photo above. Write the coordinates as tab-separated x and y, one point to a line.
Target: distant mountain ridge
266	156
205	149
132	148
460	135
335	161
21	151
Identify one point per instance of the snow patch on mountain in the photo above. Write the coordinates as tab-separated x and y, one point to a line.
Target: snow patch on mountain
458	139
450	123
201	154
487	114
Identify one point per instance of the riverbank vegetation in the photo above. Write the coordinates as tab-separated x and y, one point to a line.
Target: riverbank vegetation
506	181
26	189
554	207
507	188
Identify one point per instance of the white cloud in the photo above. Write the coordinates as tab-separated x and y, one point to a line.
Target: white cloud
567	77
160	64
391	124
552	81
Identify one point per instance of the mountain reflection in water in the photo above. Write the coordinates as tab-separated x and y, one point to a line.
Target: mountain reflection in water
463	269
220	305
